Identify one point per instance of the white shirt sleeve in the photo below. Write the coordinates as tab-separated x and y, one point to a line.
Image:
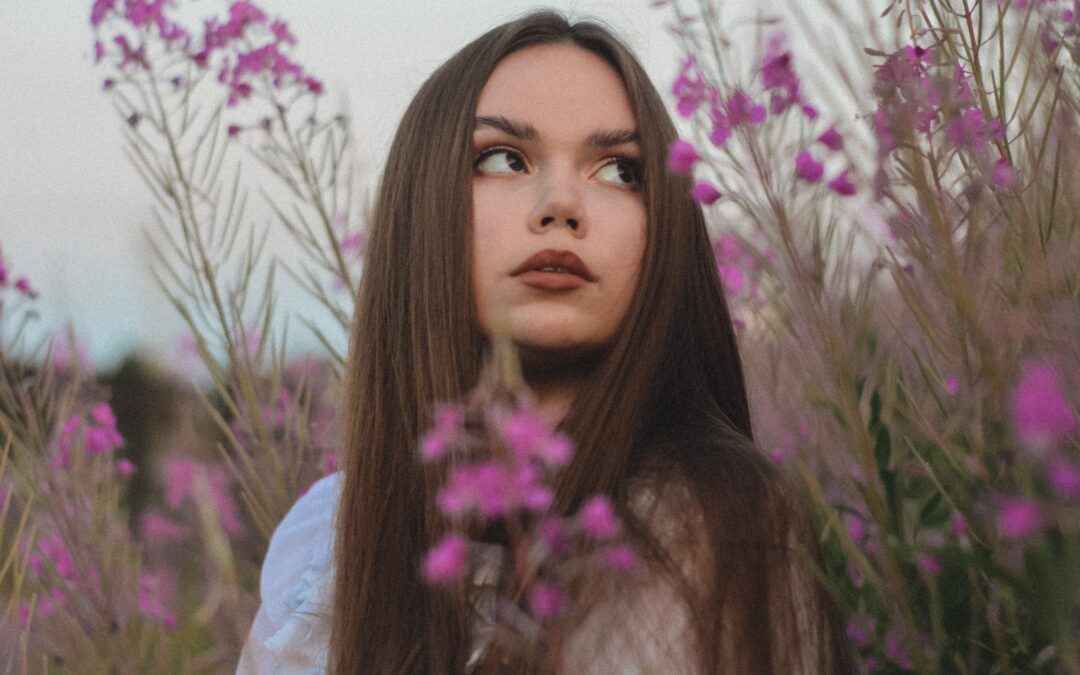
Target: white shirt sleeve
291	631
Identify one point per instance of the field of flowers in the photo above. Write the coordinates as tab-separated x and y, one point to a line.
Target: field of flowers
895	198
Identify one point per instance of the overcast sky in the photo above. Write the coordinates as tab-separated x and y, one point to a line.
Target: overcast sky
72	209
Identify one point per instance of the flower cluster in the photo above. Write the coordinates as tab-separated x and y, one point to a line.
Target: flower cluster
514	454
922	93
21	284
738	109
96	436
247	49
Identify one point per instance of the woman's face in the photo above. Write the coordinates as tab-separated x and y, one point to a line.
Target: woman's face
558	230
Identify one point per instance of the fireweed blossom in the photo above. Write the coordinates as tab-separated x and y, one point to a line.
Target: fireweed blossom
248	50
1041	413
510	482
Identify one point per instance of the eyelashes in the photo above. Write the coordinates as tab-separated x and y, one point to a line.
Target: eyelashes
618	170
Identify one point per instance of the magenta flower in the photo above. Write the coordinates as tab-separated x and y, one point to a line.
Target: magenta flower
1041	414
969	130
682	157
952	384
778	76
855	527
1019	518
546	601
741	109
22	285
958	524
157	528
704	193
690	92
731	276
896	651
1064	479
597	518
125	467
100	10
446	562
621	558
281	32
233	130
551	532
1002	174
448	421
832	139
807	168
841	185
928	564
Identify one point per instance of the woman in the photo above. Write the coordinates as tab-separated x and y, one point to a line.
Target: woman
527	185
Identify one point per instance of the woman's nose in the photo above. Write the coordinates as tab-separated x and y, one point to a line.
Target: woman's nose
559	204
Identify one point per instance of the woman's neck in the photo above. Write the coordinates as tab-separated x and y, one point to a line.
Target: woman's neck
555	380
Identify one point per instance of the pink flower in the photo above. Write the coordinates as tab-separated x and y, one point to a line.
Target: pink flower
446	562
861	629
896	651
831	139
1002	174
968	131
545	601
682	157
448	421
778	76
958	524
157	592
1064	478
928	564
1019	518
952	384
741	109
597	518
281	32
100	10
855	527
125	467
154	527
1041	414
704	193
621	558
807	168
731	276
233	130
524	431
551	532
690	92
22	285
841	185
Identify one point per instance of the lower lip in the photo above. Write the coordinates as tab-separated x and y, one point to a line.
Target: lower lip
551	281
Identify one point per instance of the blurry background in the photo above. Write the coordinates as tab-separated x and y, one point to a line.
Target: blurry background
73	210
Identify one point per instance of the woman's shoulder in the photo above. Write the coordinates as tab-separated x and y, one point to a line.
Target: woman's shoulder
296	585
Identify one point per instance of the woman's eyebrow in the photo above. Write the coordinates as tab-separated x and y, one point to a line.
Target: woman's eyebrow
519	130
527	132
609	139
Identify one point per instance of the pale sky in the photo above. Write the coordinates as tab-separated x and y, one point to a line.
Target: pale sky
71	207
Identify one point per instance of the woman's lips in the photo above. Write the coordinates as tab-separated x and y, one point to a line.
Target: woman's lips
553	270
551	281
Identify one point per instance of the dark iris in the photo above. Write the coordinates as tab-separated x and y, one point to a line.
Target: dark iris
629	172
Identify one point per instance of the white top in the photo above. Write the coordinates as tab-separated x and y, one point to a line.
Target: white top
640	629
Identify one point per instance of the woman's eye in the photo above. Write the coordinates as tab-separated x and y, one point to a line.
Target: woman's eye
623	172
500	160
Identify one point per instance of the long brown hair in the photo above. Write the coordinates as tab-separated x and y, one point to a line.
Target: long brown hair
666	406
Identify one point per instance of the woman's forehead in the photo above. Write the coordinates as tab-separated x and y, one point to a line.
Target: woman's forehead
557	88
